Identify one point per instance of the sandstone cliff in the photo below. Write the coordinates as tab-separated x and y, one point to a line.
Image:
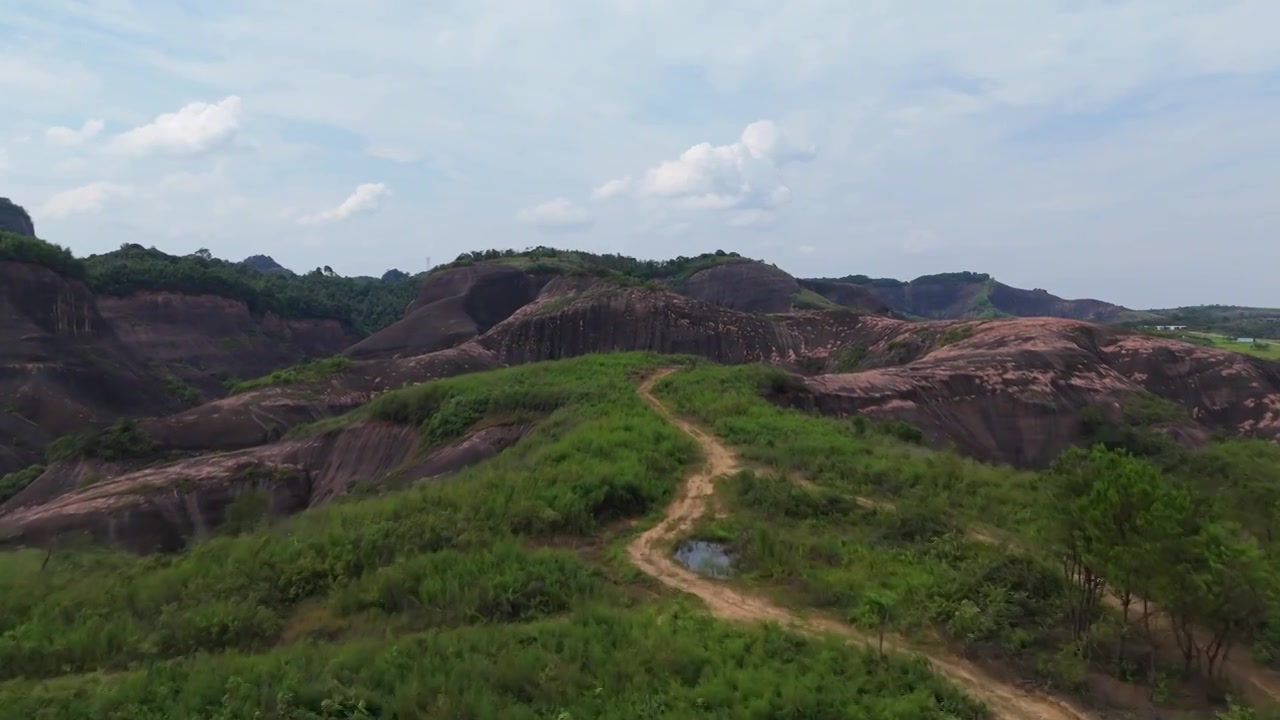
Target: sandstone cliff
204	339
62	368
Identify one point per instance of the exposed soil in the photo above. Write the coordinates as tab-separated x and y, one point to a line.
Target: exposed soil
650	552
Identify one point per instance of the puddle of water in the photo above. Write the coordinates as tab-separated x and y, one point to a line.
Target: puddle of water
706	558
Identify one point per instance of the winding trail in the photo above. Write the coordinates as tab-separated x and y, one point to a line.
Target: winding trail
651	553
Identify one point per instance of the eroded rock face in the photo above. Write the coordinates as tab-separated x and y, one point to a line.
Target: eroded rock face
162	509
62	368
1013	391
1003	390
14	218
857	297
453	306
201	339
265	415
750	287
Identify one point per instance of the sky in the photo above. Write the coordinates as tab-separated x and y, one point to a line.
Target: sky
1127	150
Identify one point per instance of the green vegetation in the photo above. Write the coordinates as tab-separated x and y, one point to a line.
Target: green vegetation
306	372
1268	349
600	663
185	394
1226	322
955	335
502	591
866	280
953	277
1007	561
16	481
458	598
556	261
122	441
23	249
849	359
810	300
364	305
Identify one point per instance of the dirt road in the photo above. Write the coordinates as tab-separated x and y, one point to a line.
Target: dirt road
651	552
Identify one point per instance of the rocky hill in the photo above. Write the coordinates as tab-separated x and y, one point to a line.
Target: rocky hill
1010	391
950	296
14	219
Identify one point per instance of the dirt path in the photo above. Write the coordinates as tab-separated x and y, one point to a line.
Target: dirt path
651	553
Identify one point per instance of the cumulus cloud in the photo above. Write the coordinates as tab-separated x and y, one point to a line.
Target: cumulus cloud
366	198
66	136
742	175
558	214
195	128
84	199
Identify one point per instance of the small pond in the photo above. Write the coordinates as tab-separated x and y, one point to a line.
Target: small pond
706	558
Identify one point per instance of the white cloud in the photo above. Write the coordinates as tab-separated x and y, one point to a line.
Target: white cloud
982	126
742	175
366	198
68	136
195	128
557	214
612	189
89	198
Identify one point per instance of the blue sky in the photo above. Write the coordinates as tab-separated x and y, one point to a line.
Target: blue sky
1121	149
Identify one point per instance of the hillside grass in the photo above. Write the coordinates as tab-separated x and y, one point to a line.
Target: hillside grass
955	551
463	597
304	372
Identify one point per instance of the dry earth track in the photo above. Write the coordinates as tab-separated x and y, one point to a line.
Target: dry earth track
651	553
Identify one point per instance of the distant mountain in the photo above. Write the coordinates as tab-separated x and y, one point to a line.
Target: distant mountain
970	295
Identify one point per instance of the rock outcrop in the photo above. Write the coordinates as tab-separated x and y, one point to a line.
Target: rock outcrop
204	339
453	306
162	508
15	219
746	286
1012	391
62	368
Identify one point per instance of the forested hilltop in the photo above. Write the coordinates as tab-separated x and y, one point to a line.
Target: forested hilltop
364	305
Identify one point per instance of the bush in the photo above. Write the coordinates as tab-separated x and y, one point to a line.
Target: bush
17	481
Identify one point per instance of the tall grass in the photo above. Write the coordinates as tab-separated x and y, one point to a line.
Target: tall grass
599	456
853	456
599	664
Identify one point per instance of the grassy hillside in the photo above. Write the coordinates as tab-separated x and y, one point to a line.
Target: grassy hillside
504	592
848	518
497	593
1259	345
